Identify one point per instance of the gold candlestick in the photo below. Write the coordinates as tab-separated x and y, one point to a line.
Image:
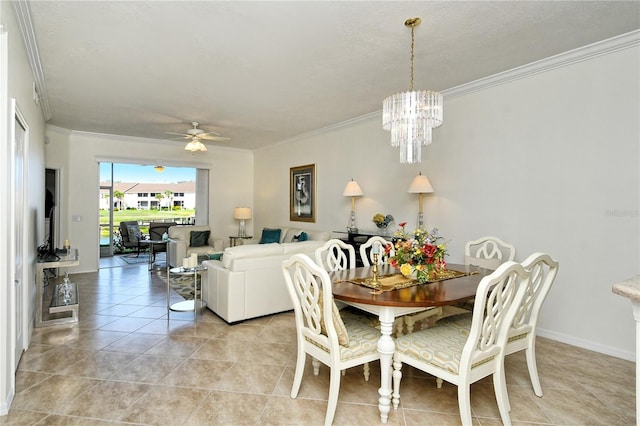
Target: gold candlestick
374	281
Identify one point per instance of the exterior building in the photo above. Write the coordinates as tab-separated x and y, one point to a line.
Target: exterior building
145	196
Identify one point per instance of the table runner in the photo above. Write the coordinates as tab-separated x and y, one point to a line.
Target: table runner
398	281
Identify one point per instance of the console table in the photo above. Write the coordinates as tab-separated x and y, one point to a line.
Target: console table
71	304
356	239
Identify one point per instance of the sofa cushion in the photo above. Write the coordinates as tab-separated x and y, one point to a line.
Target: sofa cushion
270	236
250	251
302	247
302	236
199	238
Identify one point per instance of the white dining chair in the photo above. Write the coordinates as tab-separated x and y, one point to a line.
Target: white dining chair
368	249
522	334
321	332
466	348
336	255
488	252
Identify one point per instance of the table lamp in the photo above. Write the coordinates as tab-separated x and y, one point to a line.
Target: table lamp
420	185
352	190
242	214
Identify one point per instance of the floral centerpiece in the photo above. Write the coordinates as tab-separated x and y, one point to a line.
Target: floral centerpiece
382	221
418	254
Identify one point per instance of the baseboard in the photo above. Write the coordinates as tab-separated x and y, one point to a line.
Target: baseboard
586	344
5	405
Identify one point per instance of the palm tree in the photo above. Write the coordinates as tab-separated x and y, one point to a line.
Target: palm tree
159	197
169	194
119	195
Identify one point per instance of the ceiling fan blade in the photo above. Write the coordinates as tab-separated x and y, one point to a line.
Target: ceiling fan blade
184	135
214	138
209	133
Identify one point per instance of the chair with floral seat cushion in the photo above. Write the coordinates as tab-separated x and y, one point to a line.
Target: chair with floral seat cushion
466	348
336	255
373	245
316	333
486	252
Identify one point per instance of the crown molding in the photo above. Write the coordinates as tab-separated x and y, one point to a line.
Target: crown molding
23	15
604	47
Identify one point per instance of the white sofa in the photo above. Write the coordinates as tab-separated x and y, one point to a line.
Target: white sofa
179	238
248	281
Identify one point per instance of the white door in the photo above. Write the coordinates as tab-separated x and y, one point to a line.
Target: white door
19	130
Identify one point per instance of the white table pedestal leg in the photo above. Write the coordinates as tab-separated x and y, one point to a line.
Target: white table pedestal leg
386	348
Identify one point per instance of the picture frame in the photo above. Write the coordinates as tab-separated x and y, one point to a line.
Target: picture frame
302	193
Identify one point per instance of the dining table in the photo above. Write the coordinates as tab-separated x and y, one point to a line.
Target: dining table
393	296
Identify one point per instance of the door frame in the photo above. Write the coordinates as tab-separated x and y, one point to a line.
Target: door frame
23	298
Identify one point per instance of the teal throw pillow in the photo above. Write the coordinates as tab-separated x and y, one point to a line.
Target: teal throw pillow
302	236
199	238
270	236
215	256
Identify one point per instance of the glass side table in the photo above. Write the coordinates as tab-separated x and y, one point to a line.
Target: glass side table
233	239
187	305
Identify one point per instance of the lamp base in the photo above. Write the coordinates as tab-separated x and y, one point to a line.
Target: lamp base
352	228
420	220
241	229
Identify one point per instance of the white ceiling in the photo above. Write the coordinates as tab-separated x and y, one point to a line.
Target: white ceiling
261	72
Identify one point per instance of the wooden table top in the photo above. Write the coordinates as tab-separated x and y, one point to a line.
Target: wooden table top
441	293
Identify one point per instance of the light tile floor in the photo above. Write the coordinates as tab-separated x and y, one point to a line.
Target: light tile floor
125	363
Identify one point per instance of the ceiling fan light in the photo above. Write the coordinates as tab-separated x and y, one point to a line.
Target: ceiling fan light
199	146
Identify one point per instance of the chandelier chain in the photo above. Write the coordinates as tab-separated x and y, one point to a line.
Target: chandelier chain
412	43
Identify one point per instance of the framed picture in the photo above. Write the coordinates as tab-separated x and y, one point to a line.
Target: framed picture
302	189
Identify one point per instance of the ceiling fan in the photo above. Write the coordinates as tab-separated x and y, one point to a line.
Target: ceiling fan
197	135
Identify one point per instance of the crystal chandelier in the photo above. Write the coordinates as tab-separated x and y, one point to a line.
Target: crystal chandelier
411	116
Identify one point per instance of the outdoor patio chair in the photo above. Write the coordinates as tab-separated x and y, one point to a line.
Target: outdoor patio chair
131	235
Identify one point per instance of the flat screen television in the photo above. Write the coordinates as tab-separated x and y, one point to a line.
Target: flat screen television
51	238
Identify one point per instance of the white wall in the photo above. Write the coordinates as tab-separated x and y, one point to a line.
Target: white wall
548	162
76	154
20	80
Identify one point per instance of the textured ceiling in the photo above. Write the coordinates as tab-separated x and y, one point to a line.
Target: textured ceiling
262	72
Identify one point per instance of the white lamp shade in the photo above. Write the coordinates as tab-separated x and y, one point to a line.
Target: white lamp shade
352	189
420	185
242	213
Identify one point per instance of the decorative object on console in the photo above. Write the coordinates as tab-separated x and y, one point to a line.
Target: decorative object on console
382	221
411	116
302	190
159	169
242	214
420	185
352	190
419	253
